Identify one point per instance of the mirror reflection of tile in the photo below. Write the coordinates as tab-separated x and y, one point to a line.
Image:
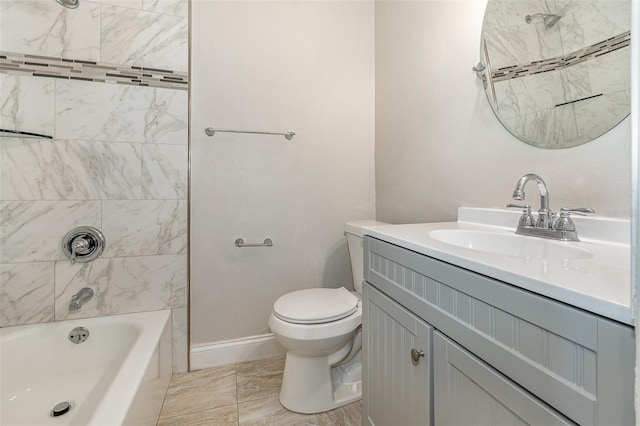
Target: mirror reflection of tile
564	85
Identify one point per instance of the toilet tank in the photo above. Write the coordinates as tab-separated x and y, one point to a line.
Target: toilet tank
354	232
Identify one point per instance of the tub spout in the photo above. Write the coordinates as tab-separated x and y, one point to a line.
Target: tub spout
80	298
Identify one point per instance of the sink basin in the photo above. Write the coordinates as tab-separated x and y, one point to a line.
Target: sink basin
509	244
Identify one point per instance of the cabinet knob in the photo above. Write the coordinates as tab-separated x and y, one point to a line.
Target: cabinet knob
415	355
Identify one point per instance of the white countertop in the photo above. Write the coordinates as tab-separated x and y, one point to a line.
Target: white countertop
599	284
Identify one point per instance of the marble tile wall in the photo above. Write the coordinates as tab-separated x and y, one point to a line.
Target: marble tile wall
118	161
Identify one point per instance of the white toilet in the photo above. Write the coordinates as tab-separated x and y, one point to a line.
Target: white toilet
320	329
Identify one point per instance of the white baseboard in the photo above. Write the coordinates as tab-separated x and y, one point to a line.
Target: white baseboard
233	351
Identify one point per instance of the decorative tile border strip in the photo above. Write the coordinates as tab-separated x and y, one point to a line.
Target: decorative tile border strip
76	69
607	46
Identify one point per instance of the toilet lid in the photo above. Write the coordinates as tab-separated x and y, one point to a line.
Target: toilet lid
315	305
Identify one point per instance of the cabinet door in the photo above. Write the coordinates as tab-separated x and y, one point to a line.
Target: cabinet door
469	392
396	389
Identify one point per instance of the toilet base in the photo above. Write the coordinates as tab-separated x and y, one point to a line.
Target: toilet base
311	385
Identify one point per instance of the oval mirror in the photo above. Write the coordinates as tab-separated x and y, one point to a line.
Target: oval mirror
557	72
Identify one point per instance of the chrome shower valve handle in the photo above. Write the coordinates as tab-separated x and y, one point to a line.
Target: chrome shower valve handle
83	244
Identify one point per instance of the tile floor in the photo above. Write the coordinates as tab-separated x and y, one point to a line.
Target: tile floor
241	394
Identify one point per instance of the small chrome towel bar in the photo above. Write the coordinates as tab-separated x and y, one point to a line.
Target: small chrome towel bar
210	131
267	243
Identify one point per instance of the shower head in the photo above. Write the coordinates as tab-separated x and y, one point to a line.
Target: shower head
69	4
549	19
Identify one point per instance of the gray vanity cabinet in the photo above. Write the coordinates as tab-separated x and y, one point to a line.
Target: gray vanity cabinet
536	359
399	391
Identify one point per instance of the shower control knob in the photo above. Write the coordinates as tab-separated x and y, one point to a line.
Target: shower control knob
416	355
83	244
80	246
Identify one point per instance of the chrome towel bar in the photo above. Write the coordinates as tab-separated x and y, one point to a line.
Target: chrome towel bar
210	131
267	243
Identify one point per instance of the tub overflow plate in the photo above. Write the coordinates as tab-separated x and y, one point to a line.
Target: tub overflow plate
60	409
79	335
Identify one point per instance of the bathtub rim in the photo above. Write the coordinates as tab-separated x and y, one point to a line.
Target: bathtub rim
122	392
119	396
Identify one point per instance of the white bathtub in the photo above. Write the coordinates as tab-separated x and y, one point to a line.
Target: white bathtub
119	375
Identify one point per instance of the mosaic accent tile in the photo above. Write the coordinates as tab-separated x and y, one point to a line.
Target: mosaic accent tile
83	70
589	53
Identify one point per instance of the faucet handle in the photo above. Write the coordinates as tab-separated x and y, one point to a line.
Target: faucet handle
518	206
564	223
527	218
583	211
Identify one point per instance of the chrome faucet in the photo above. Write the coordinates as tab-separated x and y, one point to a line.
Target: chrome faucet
545	225
80	298
545	215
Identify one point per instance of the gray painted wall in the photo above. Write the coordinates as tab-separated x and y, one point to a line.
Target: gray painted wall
276	65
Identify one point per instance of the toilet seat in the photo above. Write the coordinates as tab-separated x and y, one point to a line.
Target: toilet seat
315	305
